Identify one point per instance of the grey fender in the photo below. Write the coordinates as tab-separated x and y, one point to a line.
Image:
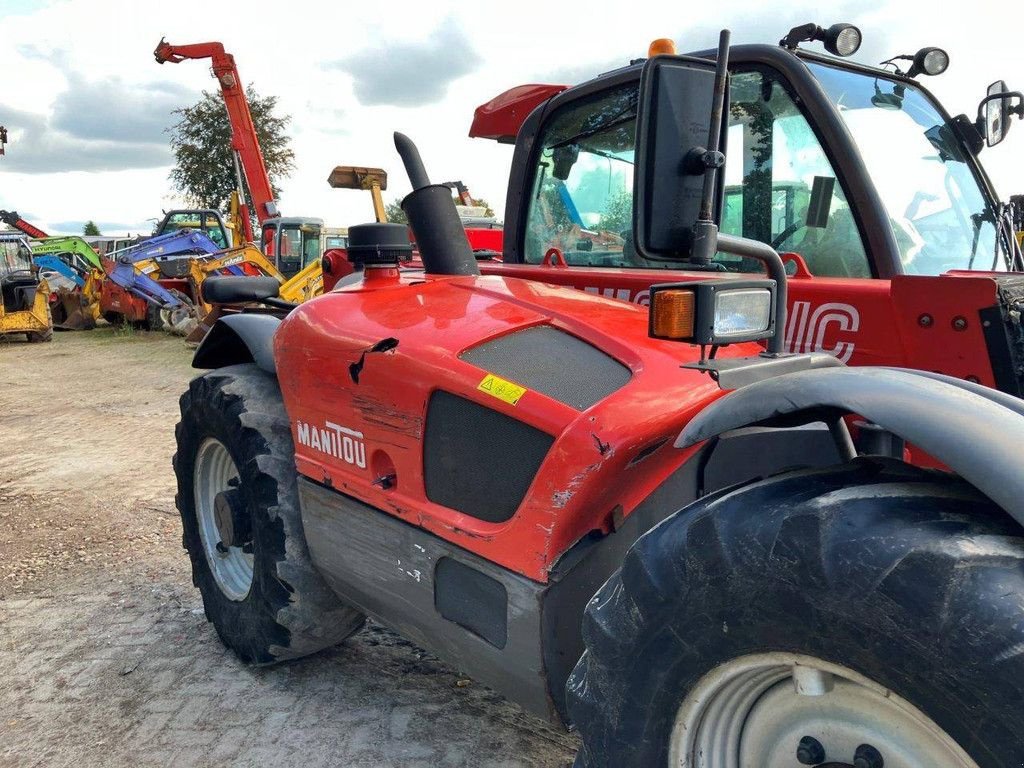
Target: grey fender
236	339
975	431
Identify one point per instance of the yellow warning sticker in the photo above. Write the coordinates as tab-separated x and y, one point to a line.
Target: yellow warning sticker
495	386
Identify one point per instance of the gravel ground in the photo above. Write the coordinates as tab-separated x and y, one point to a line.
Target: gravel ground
106	658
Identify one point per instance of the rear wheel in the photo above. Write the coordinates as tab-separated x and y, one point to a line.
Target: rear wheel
154	320
38	337
241	522
867	615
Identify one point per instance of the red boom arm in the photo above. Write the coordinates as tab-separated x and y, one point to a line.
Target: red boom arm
12	218
243	131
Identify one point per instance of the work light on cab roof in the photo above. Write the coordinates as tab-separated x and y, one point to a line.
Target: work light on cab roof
839	39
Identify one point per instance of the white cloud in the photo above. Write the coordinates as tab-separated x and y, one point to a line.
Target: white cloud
414	73
85	69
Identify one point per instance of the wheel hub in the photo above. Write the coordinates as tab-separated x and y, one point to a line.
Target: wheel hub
224	527
767	709
231	518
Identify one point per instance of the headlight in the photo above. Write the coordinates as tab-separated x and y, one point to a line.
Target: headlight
741	312
842	39
713	312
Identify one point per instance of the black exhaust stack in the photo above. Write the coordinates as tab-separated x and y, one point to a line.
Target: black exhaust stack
435	223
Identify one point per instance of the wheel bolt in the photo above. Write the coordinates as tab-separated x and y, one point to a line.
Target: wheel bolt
867	756
810	751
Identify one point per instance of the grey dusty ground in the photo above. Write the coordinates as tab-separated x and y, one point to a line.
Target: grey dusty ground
106	658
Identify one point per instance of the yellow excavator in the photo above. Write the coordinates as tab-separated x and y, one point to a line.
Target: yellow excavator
25	305
246	259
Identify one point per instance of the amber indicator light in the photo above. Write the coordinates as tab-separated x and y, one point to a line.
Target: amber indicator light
673	314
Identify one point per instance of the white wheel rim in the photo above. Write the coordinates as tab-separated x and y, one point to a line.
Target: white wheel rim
753	712
214	472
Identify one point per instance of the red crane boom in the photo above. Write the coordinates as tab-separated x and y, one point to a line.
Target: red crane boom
12	218
244	142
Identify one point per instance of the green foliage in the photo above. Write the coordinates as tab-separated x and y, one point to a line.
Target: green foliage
618	216
201	141
91	229
394	212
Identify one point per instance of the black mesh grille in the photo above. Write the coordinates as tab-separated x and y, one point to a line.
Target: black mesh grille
478	461
552	362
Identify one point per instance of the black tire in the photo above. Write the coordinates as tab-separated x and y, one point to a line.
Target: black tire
38	337
153	321
289	610
114	318
896	573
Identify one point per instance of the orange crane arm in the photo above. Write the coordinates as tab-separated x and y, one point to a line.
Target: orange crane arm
244	142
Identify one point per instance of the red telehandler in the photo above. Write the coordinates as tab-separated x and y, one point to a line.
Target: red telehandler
637	520
292	243
899	250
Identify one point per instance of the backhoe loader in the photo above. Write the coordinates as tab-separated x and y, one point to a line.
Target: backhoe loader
24	296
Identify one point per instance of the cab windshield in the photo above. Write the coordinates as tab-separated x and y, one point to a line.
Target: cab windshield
939	214
15	258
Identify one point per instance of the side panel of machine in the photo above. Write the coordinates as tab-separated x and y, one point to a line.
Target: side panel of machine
401	576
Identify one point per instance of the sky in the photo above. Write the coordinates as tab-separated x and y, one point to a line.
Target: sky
87	108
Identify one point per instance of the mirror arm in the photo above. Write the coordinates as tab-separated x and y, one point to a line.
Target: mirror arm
754	249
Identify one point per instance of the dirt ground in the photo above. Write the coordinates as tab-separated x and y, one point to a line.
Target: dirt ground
106	658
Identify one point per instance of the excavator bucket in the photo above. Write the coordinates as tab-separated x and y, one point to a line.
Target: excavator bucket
181	320
203	325
72	311
373	180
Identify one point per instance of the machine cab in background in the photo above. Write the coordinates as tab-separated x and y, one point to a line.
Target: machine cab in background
292	242
206	220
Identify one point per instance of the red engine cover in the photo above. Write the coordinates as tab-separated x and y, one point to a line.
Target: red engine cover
368	420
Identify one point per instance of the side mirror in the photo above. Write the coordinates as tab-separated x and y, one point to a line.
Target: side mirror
995	111
997	114
677	97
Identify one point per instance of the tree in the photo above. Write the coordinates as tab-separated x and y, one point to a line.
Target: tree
90	228
394	212
204	171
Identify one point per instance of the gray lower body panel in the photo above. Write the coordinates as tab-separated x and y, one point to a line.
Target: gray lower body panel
387	568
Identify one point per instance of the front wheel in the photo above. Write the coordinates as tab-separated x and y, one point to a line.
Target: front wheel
867	615
242	525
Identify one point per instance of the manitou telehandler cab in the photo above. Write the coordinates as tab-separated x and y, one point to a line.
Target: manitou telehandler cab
889	225
635	520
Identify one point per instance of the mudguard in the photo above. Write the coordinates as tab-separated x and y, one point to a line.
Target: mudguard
974	431
237	339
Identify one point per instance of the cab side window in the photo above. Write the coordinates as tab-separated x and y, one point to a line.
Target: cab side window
779	185
582	196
